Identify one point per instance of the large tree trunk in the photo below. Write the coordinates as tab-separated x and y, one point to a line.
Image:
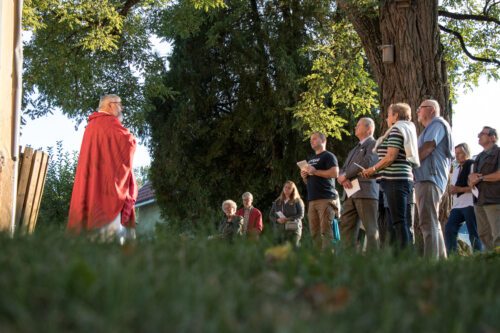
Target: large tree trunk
418	70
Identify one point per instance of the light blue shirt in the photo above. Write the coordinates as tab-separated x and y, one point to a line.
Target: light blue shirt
435	168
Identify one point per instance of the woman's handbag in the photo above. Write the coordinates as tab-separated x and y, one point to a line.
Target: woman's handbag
292	225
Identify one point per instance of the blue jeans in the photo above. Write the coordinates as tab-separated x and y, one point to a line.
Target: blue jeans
397	193
456	219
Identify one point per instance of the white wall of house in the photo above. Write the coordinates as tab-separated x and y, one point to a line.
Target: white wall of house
147	217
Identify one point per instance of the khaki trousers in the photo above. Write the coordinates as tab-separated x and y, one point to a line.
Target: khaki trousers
320	214
488	225
428	197
354	213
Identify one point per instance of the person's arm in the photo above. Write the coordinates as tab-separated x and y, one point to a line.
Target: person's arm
237	226
433	135
258	222
272	213
333	172
459	189
304	175
426	149
388	159
476	178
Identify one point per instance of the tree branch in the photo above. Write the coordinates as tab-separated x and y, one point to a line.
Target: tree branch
128	6
458	16
464	47
487	6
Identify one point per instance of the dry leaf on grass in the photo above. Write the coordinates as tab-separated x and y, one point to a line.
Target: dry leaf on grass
323	297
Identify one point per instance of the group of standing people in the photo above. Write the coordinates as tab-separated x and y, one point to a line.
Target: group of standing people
286	217
407	169
411	169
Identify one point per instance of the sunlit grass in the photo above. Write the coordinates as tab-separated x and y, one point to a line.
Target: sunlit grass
52	283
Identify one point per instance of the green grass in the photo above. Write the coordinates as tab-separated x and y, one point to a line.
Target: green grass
52	283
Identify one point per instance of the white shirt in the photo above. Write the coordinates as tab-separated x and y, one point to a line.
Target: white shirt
465	200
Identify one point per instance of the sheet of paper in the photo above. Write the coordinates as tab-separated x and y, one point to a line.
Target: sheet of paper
302	164
475	191
280	214
355	188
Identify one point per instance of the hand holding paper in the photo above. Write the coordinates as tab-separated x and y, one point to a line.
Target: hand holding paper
303	165
355	188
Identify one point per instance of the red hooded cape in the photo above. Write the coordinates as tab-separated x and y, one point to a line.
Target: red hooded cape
104	182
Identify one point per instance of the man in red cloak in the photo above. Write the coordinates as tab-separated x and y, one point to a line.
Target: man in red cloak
105	191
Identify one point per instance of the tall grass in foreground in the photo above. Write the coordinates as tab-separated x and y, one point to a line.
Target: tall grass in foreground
52	283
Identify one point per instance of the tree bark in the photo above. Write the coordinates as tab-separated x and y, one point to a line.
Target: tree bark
418	71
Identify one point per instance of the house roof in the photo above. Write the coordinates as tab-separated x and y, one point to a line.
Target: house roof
146	193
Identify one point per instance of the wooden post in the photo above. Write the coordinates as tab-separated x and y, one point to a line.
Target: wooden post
10	79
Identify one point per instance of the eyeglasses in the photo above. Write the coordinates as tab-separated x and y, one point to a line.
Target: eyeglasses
423	106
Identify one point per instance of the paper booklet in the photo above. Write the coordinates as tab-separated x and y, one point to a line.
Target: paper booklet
302	164
359	166
355	188
475	191
280	214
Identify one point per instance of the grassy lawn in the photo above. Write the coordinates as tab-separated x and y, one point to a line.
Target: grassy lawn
51	283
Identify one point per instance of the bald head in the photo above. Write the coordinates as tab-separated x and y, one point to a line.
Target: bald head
428	110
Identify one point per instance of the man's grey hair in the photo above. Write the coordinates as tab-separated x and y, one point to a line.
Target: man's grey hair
492	132
435	106
368	122
104	100
247	195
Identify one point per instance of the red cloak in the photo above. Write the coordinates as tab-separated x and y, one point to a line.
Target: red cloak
104	181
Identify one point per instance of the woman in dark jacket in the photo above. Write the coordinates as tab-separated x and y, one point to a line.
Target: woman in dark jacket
286	215
231	225
462	210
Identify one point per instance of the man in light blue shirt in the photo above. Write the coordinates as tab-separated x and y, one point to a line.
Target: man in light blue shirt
435	148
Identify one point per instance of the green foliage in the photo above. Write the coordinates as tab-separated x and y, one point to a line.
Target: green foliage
56	197
339	83
206	5
229	129
50	283
79	51
482	39
141	175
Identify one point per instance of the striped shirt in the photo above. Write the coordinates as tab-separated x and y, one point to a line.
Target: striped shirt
401	168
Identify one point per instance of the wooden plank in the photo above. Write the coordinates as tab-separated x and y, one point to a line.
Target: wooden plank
30	192
23	183
39	191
